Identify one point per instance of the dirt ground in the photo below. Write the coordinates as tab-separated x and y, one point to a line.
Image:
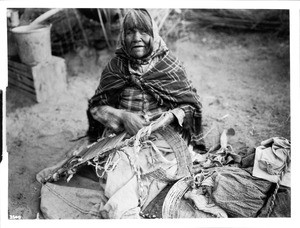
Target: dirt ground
243	81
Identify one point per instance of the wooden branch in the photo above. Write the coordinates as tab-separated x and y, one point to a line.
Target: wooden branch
103	29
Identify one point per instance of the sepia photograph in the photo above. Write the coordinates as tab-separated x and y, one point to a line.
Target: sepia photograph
147	113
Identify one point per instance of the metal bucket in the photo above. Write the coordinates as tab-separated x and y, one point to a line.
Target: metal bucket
33	43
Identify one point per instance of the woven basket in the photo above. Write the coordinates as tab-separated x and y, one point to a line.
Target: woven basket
175	206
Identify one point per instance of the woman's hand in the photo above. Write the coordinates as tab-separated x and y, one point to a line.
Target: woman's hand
108	116
118	120
132	122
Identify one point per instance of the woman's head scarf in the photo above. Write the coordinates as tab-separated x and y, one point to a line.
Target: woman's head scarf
141	18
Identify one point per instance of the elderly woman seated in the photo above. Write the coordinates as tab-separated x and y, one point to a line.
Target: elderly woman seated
138	85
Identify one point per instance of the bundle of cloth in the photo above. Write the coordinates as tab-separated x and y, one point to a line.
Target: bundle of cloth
258	185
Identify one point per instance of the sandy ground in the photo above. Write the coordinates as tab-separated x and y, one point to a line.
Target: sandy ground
243	81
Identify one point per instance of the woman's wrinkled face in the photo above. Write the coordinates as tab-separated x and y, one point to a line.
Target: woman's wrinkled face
138	42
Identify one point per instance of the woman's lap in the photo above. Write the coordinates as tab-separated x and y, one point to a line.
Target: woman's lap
133	181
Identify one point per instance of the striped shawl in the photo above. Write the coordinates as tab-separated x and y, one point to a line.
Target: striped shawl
166	82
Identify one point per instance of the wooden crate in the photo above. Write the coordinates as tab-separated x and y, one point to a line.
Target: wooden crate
39	82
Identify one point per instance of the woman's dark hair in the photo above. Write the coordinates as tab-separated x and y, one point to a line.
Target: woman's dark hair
140	19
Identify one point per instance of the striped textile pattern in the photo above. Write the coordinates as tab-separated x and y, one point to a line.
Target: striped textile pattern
166	82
